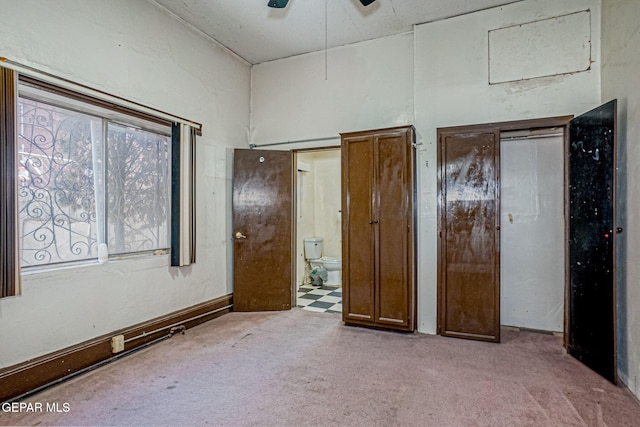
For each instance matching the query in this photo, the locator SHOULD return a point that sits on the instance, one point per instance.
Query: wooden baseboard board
(30, 375)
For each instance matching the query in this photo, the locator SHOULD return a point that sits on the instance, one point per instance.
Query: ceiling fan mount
(279, 4)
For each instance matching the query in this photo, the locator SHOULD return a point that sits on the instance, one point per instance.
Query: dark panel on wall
(592, 239)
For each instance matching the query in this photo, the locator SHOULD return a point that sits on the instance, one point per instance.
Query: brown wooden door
(393, 227)
(358, 255)
(378, 228)
(469, 251)
(262, 230)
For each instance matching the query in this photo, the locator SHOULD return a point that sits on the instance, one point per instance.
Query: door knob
(619, 230)
(239, 235)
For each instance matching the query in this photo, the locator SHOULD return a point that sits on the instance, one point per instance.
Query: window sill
(113, 259)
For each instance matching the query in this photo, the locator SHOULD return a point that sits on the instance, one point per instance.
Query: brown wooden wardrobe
(378, 234)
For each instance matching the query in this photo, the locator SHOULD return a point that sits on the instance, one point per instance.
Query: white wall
(369, 85)
(328, 196)
(532, 233)
(134, 50)
(621, 80)
(451, 88)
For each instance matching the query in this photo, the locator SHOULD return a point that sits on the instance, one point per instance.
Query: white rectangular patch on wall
(549, 47)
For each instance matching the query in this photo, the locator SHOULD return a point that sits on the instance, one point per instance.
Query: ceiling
(259, 33)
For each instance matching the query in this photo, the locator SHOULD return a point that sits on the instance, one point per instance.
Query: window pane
(56, 197)
(137, 189)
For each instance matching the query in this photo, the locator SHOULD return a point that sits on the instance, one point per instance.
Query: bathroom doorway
(318, 277)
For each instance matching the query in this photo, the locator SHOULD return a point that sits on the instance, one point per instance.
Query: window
(137, 189)
(88, 175)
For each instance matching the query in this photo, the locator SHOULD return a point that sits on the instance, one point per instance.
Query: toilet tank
(313, 247)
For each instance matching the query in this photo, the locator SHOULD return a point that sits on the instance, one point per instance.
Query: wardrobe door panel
(358, 239)
(391, 229)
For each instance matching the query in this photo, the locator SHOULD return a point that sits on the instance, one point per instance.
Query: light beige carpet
(300, 368)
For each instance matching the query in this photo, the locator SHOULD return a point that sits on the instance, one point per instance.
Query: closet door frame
(561, 122)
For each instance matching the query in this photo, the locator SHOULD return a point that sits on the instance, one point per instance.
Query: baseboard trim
(39, 372)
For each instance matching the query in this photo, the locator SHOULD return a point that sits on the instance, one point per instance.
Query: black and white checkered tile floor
(324, 299)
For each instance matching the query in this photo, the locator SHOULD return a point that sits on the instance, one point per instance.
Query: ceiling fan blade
(278, 4)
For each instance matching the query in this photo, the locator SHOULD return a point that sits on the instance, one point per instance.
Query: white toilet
(313, 254)
(334, 270)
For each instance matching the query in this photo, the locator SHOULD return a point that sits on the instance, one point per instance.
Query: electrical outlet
(117, 344)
